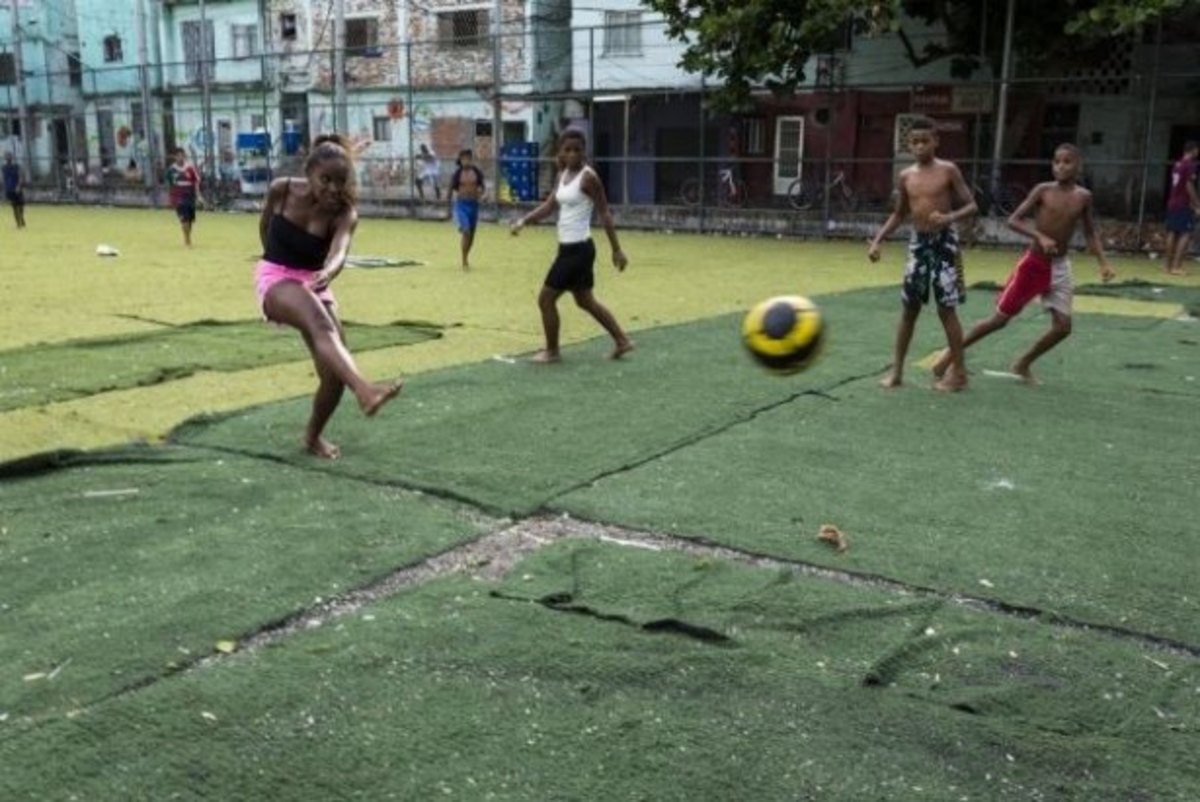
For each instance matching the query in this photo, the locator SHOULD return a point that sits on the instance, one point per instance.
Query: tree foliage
(742, 44)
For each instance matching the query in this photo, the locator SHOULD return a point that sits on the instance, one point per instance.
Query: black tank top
(292, 246)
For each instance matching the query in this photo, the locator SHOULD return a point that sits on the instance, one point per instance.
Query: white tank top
(574, 209)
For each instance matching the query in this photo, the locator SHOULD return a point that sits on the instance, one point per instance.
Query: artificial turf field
(190, 608)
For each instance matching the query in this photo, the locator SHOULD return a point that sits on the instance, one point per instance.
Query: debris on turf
(106, 250)
(834, 537)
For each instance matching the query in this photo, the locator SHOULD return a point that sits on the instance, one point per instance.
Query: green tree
(742, 44)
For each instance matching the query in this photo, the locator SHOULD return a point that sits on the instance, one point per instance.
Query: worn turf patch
(466, 689)
(92, 366)
(1066, 498)
(509, 435)
(1186, 296)
(135, 563)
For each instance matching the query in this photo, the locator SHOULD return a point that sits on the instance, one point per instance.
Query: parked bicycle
(729, 191)
(806, 195)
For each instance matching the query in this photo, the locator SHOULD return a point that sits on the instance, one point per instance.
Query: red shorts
(1028, 280)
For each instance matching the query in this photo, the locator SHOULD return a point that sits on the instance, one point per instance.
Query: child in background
(467, 183)
(578, 192)
(184, 180)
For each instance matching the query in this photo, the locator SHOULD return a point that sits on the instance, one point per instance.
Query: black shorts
(16, 198)
(186, 211)
(572, 269)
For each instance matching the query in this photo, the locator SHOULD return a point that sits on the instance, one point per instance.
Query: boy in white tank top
(578, 193)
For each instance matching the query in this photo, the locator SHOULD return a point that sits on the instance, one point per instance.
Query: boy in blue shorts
(467, 184)
(1183, 204)
(929, 191)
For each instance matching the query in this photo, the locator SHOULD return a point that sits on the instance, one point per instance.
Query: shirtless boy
(929, 191)
(1045, 269)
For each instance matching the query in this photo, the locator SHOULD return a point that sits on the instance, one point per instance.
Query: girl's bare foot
(545, 358)
(378, 395)
(621, 349)
(891, 381)
(952, 382)
(320, 447)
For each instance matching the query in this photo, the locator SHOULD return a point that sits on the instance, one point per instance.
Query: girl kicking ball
(306, 226)
(578, 192)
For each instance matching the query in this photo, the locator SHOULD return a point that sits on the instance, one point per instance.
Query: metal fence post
(1141, 213)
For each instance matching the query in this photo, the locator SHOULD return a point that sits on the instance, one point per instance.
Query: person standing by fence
(14, 188)
(427, 172)
(1183, 204)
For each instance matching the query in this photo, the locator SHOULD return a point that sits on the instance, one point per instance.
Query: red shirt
(1182, 174)
(184, 182)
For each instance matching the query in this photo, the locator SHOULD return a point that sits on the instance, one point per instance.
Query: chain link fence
(821, 162)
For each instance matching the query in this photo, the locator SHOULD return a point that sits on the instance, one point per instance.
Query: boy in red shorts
(1045, 269)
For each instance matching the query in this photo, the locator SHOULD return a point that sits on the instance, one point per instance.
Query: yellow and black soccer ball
(784, 334)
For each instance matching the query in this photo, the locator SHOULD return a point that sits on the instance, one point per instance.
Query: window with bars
(287, 27)
(463, 30)
(112, 49)
(381, 129)
(244, 39)
(197, 50)
(362, 36)
(136, 120)
(622, 33)
(74, 70)
(754, 135)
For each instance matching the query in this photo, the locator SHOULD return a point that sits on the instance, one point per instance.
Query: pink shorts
(268, 274)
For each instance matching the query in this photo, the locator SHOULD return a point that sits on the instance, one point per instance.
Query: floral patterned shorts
(934, 260)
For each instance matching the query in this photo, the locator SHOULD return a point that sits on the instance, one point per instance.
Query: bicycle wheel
(798, 196)
(689, 192)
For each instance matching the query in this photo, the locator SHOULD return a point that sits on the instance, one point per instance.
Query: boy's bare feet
(545, 357)
(891, 381)
(943, 362)
(1023, 373)
(621, 349)
(951, 382)
(378, 395)
(320, 447)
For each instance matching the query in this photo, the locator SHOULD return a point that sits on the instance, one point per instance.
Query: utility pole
(1002, 105)
(19, 68)
(497, 84)
(149, 169)
(206, 57)
(340, 123)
